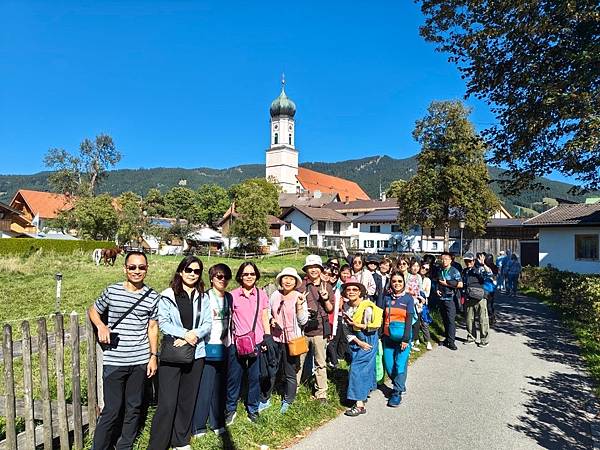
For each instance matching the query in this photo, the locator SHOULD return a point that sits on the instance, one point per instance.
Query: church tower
(282, 156)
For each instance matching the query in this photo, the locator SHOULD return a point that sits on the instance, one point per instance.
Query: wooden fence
(49, 421)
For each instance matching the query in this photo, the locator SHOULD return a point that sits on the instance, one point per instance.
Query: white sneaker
(416, 349)
(219, 431)
(429, 347)
(185, 447)
(417, 342)
(199, 435)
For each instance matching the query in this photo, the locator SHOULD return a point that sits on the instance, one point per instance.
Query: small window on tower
(276, 138)
(290, 139)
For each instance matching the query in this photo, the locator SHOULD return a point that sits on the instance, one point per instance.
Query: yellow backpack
(376, 318)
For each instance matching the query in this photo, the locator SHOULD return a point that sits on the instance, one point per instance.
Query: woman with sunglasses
(362, 342)
(397, 327)
(249, 327)
(210, 402)
(183, 313)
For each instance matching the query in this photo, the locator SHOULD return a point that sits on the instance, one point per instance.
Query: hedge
(575, 294)
(25, 246)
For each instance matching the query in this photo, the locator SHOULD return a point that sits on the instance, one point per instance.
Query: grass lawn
(589, 344)
(28, 292)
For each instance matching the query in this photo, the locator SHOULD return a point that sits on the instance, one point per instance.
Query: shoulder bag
(298, 345)
(179, 355)
(396, 328)
(245, 344)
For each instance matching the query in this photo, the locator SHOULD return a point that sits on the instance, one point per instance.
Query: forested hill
(371, 173)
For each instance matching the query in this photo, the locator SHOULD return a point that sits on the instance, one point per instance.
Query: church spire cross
(282, 81)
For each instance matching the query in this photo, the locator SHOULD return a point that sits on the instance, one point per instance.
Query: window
(313, 240)
(355, 214)
(395, 228)
(290, 138)
(369, 244)
(434, 246)
(375, 229)
(302, 241)
(321, 226)
(355, 225)
(382, 244)
(336, 228)
(288, 226)
(586, 246)
(276, 138)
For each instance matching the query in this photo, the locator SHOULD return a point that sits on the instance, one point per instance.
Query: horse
(109, 255)
(97, 256)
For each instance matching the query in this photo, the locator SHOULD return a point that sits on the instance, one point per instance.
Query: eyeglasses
(220, 276)
(403, 264)
(249, 274)
(190, 270)
(142, 267)
(352, 289)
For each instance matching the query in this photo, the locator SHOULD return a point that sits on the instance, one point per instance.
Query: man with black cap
(473, 277)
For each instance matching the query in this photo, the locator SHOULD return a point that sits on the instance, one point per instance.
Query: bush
(27, 246)
(288, 242)
(574, 294)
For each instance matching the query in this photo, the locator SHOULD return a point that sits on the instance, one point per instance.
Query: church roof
(316, 181)
(282, 105)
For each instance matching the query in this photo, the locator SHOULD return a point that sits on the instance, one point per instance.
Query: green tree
(212, 202)
(254, 200)
(181, 203)
(537, 62)
(452, 180)
(132, 222)
(395, 189)
(80, 175)
(92, 218)
(154, 203)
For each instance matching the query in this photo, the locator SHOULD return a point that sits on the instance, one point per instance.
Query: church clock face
(275, 127)
(291, 128)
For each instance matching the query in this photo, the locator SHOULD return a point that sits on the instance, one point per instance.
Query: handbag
(114, 337)
(396, 329)
(179, 355)
(246, 343)
(296, 346)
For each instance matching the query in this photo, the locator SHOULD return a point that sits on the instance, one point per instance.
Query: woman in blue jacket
(183, 313)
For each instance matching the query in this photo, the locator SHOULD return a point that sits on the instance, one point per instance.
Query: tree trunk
(446, 236)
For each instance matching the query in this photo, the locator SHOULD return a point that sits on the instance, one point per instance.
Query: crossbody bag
(184, 354)
(245, 344)
(298, 345)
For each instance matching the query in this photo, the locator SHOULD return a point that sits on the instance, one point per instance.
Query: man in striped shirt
(130, 356)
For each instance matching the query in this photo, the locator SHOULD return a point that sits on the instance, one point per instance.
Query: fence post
(91, 376)
(76, 382)
(28, 386)
(59, 342)
(44, 382)
(9, 382)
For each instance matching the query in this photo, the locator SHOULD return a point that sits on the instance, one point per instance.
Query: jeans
(479, 309)
(318, 346)
(236, 367)
(210, 403)
(448, 310)
(513, 281)
(395, 362)
(177, 391)
(123, 388)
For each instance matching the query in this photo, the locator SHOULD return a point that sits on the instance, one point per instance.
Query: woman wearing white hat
(288, 313)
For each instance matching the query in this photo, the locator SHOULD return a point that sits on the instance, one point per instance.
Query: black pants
(289, 366)
(338, 346)
(123, 392)
(421, 325)
(491, 307)
(177, 391)
(448, 310)
(210, 403)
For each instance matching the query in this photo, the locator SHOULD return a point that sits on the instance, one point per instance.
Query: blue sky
(189, 83)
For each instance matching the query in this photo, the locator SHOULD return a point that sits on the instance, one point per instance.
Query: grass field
(27, 291)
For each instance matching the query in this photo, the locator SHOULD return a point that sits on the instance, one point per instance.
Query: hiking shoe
(484, 344)
(284, 407)
(355, 411)
(429, 347)
(394, 401)
(416, 343)
(452, 346)
(253, 417)
(262, 406)
(230, 417)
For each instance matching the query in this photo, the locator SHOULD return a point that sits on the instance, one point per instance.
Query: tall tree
(132, 221)
(254, 199)
(92, 217)
(452, 180)
(80, 174)
(537, 62)
(154, 203)
(181, 203)
(212, 202)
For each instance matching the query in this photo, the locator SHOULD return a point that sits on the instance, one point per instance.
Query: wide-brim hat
(352, 281)
(288, 272)
(312, 260)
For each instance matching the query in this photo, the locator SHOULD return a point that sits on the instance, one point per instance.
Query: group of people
(366, 310)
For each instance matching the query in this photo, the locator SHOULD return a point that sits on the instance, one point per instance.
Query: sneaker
(468, 341)
(230, 417)
(219, 431)
(355, 411)
(484, 344)
(262, 406)
(416, 349)
(284, 407)
(429, 347)
(452, 346)
(185, 447)
(199, 434)
(394, 401)
(416, 343)
(253, 417)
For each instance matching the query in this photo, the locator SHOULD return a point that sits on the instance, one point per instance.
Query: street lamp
(461, 225)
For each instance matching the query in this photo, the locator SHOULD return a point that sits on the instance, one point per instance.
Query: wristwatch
(155, 354)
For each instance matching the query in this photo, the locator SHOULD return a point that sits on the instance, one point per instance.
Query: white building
(316, 227)
(569, 237)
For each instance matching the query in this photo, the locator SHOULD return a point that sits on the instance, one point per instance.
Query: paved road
(527, 390)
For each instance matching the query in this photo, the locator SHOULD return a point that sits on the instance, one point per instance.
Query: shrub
(288, 242)
(27, 246)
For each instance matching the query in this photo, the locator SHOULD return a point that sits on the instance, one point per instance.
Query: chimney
(347, 200)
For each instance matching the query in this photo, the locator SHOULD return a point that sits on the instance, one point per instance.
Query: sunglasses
(142, 267)
(398, 281)
(249, 274)
(403, 264)
(352, 289)
(220, 276)
(190, 270)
